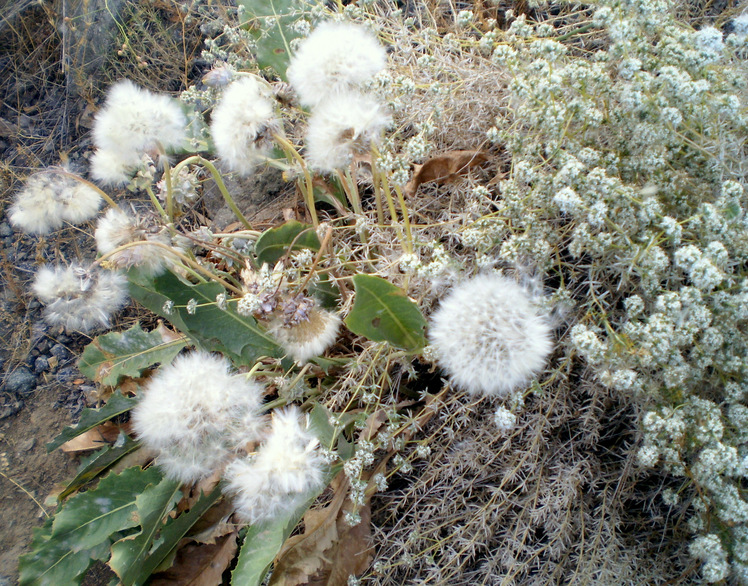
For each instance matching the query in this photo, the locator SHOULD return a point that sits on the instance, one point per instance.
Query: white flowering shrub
(517, 286)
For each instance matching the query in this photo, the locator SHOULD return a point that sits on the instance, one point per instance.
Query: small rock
(63, 339)
(20, 382)
(60, 352)
(41, 364)
(5, 231)
(43, 345)
(34, 304)
(10, 408)
(26, 446)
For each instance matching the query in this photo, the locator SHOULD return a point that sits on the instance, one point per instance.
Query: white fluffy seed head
(242, 125)
(310, 337)
(346, 124)
(117, 228)
(79, 299)
(49, 199)
(113, 167)
(335, 57)
(196, 414)
(489, 336)
(135, 120)
(283, 472)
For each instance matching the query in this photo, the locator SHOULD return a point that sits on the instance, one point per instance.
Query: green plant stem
(292, 153)
(406, 219)
(157, 204)
(377, 190)
(169, 190)
(219, 182)
(393, 211)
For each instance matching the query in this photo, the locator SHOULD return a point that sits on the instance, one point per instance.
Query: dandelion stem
(156, 203)
(190, 265)
(393, 212)
(291, 151)
(219, 182)
(169, 190)
(104, 195)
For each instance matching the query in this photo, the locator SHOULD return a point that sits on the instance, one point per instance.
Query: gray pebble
(60, 352)
(5, 231)
(20, 382)
(41, 364)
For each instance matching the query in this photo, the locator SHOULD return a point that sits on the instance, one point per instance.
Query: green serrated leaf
(99, 462)
(270, 22)
(52, 562)
(82, 529)
(90, 418)
(383, 312)
(173, 532)
(237, 336)
(90, 518)
(274, 243)
(112, 356)
(152, 505)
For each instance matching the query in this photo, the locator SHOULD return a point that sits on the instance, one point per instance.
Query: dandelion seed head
(79, 299)
(309, 337)
(341, 127)
(286, 468)
(135, 120)
(117, 228)
(335, 57)
(49, 199)
(113, 168)
(488, 335)
(196, 413)
(242, 125)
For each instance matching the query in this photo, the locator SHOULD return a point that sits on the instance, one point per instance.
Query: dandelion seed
(307, 337)
(195, 413)
(489, 337)
(118, 228)
(335, 57)
(283, 473)
(113, 168)
(343, 126)
(79, 299)
(49, 199)
(243, 124)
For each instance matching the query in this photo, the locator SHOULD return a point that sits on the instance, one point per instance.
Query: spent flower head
(308, 335)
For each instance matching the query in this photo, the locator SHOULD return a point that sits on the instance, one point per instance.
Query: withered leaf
(93, 439)
(199, 565)
(329, 550)
(444, 168)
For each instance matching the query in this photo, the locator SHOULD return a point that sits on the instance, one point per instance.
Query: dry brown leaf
(168, 335)
(199, 565)
(95, 438)
(329, 551)
(444, 168)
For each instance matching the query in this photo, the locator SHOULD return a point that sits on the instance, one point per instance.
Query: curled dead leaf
(199, 564)
(444, 168)
(329, 551)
